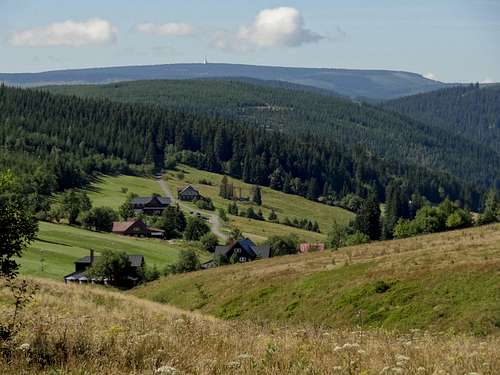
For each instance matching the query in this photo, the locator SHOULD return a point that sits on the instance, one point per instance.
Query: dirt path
(214, 219)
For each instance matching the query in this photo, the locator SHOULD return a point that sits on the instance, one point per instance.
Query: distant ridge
(369, 84)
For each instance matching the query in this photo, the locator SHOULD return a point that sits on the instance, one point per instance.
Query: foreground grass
(53, 254)
(444, 282)
(285, 205)
(87, 330)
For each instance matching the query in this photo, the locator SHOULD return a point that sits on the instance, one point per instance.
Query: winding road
(213, 218)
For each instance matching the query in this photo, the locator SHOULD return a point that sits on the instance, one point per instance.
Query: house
(243, 251)
(154, 205)
(81, 265)
(188, 193)
(310, 247)
(136, 228)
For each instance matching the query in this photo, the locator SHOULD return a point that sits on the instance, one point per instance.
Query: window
(242, 259)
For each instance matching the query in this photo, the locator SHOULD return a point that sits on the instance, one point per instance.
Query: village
(236, 248)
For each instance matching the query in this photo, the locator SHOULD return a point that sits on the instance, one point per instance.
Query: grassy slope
(284, 204)
(61, 245)
(76, 329)
(107, 190)
(441, 281)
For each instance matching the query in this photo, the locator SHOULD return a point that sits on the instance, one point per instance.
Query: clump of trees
(446, 216)
(188, 261)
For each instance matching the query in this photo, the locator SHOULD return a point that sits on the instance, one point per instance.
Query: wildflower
(233, 364)
(402, 358)
(24, 347)
(361, 351)
(169, 370)
(421, 369)
(337, 349)
(337, 368)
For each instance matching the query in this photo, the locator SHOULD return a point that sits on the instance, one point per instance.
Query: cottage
(154, 205)
(81, 265)
(135, 228)
(243, 251)
(311, 247)
(188, 193)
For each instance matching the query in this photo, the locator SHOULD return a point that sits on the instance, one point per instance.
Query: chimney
(91, 256)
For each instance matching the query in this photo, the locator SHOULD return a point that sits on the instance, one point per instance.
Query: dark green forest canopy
(389, 135)
(471, 111)
(76, 137)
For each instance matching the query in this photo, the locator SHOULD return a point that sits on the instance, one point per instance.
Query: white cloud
(430, 75)
(94, 31)
(277, 27)
(166, 29)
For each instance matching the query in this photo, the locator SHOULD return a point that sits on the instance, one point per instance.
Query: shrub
(283, 245)
(209, 241)
(205, 204)
(99, 219)
(115, 267)
(222, 214)
(357, 238)
(188, 261)
(195, 229)
(381, 286)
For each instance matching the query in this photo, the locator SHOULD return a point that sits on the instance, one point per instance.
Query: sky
(446, 40)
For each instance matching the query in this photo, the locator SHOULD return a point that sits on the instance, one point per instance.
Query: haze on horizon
(450, 41)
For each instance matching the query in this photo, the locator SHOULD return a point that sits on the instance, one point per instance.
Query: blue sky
(450, 40)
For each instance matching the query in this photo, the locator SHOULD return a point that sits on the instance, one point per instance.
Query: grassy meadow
(444, 282)
(108, 190)
(73, 329)
(57, 247)
(285, 205)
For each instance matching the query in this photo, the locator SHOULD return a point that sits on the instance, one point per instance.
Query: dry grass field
(88, 330)
(444, 282)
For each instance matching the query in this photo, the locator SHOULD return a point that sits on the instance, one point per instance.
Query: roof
(145, 200)
(123, 226)
(185, 188)
(135, 260)
(263, 251)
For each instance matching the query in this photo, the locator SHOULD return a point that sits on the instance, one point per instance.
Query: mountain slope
(373, 84)
(113, 333)
(388, 134)
(57, 128)
(470, 111)
(444, 281)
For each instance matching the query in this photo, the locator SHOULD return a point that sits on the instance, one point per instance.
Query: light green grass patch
(53, 254)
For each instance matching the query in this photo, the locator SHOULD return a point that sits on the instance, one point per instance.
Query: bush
(205, 204)
(115, 267)
(222, 214)
(99, 218)
(195, 229)
(405, 228)
(283, 245)
(204, 181)
(209, 241)
(150, 273)
(188, 262)
(381, 286)
(357, 238)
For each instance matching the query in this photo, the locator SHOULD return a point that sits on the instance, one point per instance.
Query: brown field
(89, 330)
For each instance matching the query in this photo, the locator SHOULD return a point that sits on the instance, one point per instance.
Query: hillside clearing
(285, 205)
(448, 281)
(111, 191)
(73, 328)
(57, 247)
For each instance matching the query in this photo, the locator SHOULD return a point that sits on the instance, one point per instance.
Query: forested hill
(471, 111)
(63, 139)
(389, 135)
(372, 84)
